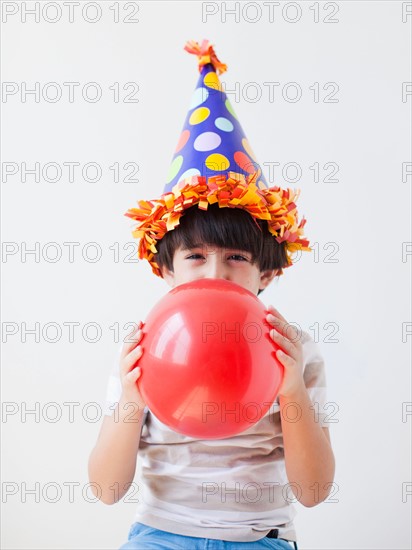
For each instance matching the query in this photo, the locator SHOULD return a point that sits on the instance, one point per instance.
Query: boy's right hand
(130, 372)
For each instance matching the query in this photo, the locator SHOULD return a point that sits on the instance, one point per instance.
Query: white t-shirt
(232, 489)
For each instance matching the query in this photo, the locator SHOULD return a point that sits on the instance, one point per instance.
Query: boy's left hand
(288, 339)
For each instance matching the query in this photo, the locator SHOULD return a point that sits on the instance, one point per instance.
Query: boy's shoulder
(305, 338)
(310, 349)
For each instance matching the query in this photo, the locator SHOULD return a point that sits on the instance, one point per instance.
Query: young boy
(234, 492)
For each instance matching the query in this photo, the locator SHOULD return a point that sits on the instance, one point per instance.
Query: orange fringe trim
(276, 205)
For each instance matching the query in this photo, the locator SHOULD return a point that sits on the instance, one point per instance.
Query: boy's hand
(129, 371)
(288, 339)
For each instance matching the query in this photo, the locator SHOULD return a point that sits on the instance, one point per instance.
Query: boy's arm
(309, 459)
(112, 462)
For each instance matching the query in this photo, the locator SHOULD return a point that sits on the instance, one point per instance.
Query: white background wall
(361, 222)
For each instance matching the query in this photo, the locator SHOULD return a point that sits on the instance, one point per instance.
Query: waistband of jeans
(274, 534)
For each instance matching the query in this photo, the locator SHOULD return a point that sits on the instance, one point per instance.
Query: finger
(132, 340)
(284, 358)
(134, 375)
(128, 347)
(276, 313)
(286, 345)
(291, 332)
(274, 321)
(283, 327)
(130, 360)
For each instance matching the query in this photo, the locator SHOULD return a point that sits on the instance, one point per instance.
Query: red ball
(209, 368)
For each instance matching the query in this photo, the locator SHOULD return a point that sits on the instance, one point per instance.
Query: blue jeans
(142, 537)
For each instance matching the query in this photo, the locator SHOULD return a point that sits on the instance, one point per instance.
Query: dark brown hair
(227, 228)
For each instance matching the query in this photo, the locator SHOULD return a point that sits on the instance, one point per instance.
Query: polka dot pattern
(244, 162)
(189, 173)
(224, 124)
(184, 136)
(200, 115)
(207, 141)
(211, 80)
(174, 168)
(229, 107)
(248, 148)
(212, 140)
(199, 96)
(217, 162)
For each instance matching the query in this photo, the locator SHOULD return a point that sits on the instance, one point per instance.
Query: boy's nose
(215, 268)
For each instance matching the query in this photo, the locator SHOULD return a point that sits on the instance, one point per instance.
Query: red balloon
(209, 368)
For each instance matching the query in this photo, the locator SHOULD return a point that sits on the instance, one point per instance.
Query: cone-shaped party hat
(214, 162)
(212, 141)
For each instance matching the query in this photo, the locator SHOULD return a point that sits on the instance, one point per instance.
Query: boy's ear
(168, 276)
(266, 277)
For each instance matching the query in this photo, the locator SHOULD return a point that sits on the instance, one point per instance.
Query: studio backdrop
(94, 95)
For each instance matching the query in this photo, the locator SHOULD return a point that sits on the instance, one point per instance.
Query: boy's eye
(235, 257)
(238, 257)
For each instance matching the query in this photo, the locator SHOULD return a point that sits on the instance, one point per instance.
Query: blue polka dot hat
(214, 162)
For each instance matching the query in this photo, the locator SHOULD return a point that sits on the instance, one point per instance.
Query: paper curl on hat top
(214, 163)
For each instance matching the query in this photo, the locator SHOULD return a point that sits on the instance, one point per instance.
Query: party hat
(212, 140)
(214, 163)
